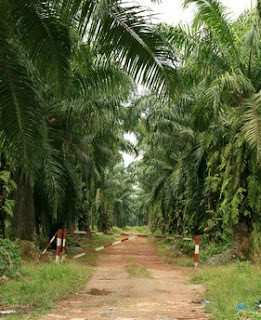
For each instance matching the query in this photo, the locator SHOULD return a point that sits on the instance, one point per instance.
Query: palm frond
(213, 15)
(252, 124)
(45, 37)
(137, 45)
(21, 106)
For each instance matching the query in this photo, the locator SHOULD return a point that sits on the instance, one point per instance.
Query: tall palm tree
(219, 147)
(39, 41)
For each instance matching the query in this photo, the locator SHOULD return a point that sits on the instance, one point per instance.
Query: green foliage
(143, 229)
(116, 230)
(10, 258)
(185, 247)
(229, 286)
(200, 172)
(256, 246)
(66, 80)
(172, 253)
(40, 286)
(213, 249)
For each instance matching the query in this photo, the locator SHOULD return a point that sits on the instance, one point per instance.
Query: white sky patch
(172, 12)
(128, 158)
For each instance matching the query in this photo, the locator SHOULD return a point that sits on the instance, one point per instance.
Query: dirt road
(113, 294)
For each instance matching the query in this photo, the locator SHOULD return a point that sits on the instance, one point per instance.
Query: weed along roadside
(33, 289)
(232, 288)
(130, 159)
(40, 286)
(132, 282)
(229, 286)
(30, 288)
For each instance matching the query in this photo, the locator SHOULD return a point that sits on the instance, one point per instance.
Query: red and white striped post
(64, 244)
(64, 241)
(59, 238)
(196, 256)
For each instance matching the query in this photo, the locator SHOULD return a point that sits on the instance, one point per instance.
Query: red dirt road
(113, 294)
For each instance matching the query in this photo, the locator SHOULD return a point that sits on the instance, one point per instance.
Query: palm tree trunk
(2, 223)
(84, 220)
(241, 244)
(2, 199)
(24, 215)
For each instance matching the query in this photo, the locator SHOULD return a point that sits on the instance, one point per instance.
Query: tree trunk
(241, 245)
(2, 198)
(2, 223)
(24, 215)
(84, 220)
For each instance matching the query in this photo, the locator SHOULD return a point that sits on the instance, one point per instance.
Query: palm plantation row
(202, 148)
(67, 69)
(68, 94)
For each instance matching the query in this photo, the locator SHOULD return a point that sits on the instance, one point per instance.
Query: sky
(172, 12)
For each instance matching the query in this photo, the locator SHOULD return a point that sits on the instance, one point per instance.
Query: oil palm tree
(39, 40)
(219, 67)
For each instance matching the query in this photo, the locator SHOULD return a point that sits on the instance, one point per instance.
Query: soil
(113, 294)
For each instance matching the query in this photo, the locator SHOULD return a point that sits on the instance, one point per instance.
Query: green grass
(169, 255)
(136, 271)
(90, 244)
(138, 229)
(97, 241)
(116, 229)
(42, 285)
(227, 286)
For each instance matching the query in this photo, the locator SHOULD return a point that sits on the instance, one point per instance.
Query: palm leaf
(212, 14)
(45, 37)
(20, 105)
(252, 123)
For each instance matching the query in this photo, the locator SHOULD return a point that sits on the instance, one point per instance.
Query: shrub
(185, 247)
(143, 229)
(116, 229)
(28, 250)
(228, 286)
(10, 258)
(44, 284)
(213, 249)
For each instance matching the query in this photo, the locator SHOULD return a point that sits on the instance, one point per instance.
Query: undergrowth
(137, 229)
(227, 286)
(90, 243)
(41, 285)
(172, 255)
(10, 258)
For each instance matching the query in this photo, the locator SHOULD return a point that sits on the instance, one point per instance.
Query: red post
(196, 256)
(64, 241)
(59, 245)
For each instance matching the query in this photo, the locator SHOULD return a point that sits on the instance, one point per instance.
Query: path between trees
(113, 294)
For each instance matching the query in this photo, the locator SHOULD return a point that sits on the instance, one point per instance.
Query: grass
(136, 271)
(89, 244)
(41, 285)
(170, 255)
(228, 286)
(97, 241)
(134, 230)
